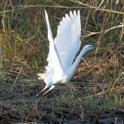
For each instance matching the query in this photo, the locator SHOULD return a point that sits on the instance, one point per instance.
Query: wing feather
(67, 42)
(53, 69)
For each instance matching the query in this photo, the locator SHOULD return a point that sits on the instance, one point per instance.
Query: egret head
(88, 47)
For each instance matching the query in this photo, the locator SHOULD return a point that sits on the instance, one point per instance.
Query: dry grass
(98, 83)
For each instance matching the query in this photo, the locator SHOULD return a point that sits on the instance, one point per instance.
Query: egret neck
(76, 63)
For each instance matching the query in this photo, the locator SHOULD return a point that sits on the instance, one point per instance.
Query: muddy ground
(16, 93)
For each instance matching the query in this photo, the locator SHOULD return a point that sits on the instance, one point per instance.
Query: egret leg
(52, 87)
(39, 93)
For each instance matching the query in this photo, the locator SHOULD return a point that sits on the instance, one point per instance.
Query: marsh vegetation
(96, 92)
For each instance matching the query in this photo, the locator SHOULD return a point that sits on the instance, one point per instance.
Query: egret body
(63, 50)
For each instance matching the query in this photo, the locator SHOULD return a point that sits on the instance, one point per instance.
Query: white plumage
(63, 50)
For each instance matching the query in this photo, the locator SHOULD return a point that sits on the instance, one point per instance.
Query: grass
(97, 84)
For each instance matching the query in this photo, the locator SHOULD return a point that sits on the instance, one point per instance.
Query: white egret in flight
(62, 60)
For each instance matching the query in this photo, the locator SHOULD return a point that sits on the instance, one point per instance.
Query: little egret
(62, 60)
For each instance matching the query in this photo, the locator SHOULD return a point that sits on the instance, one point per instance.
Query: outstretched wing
(67, 42)
(54, 67)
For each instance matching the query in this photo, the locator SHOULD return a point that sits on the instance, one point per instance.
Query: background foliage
(99, 80)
